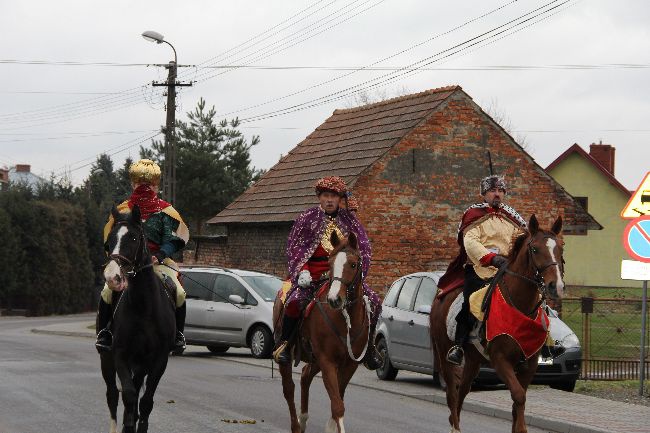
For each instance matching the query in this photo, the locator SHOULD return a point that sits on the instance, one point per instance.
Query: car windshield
(266, 287)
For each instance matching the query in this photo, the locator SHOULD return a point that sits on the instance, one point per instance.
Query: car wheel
(261, 342)
(218, 349)
(567, 386)
(386, 371)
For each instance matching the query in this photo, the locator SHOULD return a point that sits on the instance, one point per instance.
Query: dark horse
(534, 270)
(143, 323)
(333, 337)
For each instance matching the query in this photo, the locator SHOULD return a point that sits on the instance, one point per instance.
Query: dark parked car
(230, 308)
(403, 337)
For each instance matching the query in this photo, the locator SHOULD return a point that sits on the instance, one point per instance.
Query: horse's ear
(533, 225)
(557, 225)
(115, 213)
(135, 214)
(334, 239)
(352, 241)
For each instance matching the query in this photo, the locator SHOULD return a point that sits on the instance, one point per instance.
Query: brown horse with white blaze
(534, 271)
(333, 338)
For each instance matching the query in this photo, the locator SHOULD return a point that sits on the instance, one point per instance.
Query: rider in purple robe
(308, 249)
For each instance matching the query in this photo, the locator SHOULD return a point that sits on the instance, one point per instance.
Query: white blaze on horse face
(551, 244)
(337, 272)
(112, 269)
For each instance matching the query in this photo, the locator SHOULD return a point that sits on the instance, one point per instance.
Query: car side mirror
(236, 299)
(423, 309)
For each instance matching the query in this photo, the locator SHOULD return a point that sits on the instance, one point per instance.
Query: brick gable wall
(411, 199)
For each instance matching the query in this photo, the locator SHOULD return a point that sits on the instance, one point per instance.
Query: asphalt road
(52, 384)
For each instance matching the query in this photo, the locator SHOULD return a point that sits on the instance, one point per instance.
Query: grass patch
(615, 327)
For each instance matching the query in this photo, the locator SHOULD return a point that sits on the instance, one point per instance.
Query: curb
(552, 424)
(63, 333)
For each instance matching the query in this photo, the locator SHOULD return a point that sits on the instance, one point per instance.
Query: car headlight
(570, 340)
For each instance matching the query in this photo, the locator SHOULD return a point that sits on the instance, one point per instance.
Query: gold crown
(145, 171)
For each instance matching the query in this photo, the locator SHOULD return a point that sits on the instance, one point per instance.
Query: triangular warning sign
(639, 204)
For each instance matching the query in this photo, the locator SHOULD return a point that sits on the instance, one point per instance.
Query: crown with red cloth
(333, 184)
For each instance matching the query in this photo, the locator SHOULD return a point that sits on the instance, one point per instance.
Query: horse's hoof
(453, 430)
(302, 419)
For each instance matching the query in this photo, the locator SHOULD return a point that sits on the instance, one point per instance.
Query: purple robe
(305, 236)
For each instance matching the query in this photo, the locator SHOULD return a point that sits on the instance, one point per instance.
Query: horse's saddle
(477, 334)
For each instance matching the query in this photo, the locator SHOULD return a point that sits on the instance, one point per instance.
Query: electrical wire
(385, 78)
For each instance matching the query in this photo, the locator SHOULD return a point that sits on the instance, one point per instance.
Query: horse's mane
(518, 242)
(343, 244)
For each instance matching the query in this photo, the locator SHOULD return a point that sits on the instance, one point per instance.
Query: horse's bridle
(125, 263)
(349, 285)
(538, 279)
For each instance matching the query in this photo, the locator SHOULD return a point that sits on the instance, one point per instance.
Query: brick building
(414, 164)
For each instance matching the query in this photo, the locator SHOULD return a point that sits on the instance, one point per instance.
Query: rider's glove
(304, 278)
(498, 261)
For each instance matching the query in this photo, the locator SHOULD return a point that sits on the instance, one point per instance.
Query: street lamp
(169, 179)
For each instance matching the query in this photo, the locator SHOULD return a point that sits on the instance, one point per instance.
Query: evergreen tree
(214, 165)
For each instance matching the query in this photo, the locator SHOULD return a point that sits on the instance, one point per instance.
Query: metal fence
(609, 329)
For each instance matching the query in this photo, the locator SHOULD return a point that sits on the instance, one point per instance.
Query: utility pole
(169, 167)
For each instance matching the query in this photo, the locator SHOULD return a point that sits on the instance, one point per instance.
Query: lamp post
(169, 167)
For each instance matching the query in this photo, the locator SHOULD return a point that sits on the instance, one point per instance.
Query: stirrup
(455, 349)
(179, 340)
(278, 352)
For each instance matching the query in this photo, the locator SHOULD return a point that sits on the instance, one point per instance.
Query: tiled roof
(580, 151)
(345, 145)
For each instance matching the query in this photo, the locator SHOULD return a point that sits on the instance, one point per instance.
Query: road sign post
(636, 240)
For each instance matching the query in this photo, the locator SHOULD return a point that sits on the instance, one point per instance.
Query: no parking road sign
(636, 239)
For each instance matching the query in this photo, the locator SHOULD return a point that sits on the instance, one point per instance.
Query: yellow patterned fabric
(182, 232)
(475, 302)
(327, 233)
(284, 290)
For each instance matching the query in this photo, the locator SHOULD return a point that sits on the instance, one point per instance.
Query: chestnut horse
(333, 338)
(534, 271)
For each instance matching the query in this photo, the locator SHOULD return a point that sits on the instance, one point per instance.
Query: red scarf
(147, 201)
(504, 319)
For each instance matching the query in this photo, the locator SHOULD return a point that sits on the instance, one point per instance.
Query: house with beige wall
(593, 258)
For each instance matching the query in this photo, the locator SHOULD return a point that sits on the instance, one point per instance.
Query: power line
(296, 41)
(66, 137)
(409, 69)
(77, 110)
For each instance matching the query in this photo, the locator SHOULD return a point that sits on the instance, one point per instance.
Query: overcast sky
(58, 118)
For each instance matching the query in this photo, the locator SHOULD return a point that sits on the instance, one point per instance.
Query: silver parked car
(403, 337)
(230, 308)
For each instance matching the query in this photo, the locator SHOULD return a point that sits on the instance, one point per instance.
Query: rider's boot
(282, 354)
(179, 341)
(104, 341)
(373, 359)
(456, 353)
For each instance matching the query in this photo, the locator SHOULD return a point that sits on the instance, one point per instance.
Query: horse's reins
(349, 286)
